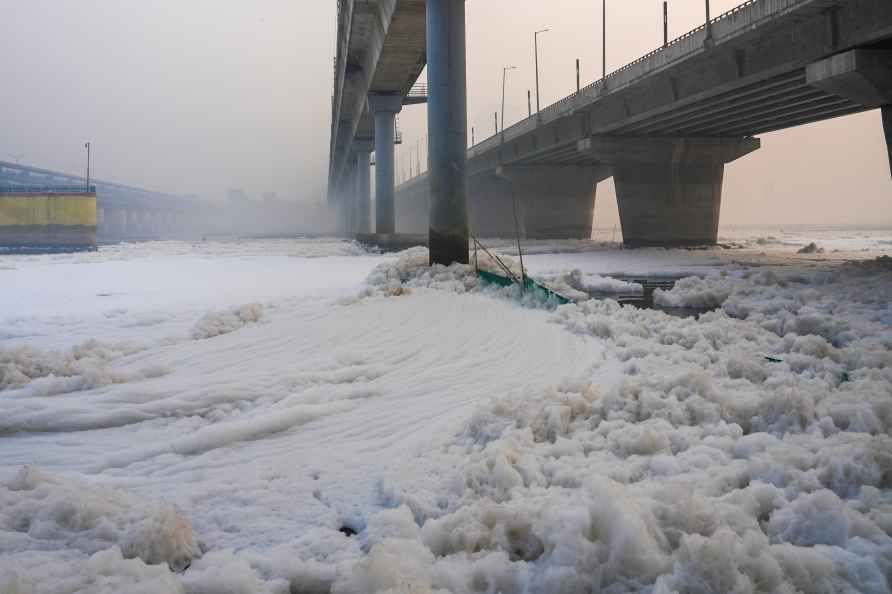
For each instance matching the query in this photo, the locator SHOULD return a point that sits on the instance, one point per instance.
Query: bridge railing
(673, 51)
(418, 90)
(44, 189)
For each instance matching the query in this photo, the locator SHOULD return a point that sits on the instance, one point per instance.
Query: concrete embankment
(48, 220)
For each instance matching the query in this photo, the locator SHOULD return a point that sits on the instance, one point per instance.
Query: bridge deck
(743, 75)
(751, 80)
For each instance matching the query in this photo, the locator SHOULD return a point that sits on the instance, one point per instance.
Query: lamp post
(87, 146)
(504, 77)
(708, 23)
(603, 39)
(536, 46)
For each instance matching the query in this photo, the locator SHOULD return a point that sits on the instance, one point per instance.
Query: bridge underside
(665, 126)
(669, 192)
(652, 131)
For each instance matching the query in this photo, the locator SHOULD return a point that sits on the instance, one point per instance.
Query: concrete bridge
(122, 211)
(663, 126)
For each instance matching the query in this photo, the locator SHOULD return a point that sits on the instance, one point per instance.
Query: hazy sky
(204, 95)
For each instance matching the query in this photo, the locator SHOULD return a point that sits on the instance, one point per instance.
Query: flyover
(122, 211)
(381, 52)
(663, 126)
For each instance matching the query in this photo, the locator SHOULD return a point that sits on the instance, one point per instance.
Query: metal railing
(45, 189)
(693, 32)
(418, 90)
(594, 89)
(397, 133)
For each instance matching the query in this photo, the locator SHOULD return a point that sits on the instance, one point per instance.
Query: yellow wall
(48, 209)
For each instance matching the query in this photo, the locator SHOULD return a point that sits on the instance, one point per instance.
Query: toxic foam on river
(473, 444)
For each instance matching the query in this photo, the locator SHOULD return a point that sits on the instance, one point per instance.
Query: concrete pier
(553, 201)
(447, 117)
(350, 195)
(385, 108)
(669, 190)
(363, 193)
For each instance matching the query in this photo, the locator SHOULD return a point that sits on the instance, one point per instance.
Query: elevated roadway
(663, 126)
(122, 212)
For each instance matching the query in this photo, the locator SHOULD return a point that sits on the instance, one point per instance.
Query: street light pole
(505, 76)
(87, 146)
(709, 41)
(604, 39)
(536, 45)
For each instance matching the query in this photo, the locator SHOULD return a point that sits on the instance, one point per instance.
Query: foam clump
(82, 367)
(45, 510)
(412, 271)
(223, 322)
(749, 451)
(695, 292)
(105, 572)
(577, 286)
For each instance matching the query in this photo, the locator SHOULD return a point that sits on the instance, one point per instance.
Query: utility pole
(536, 46)
(577, 75)
(708, 25)
(504, 77)
(496, 118)
(529, 103)
(87, 146)
(473, 137)
(665, 23)
(604, 39)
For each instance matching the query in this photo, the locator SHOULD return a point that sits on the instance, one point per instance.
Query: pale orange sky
(205, 95)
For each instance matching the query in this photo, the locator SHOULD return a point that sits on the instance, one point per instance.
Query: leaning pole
(447, 117)
(887, 128)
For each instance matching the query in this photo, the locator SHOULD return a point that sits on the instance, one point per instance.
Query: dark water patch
(645, 300)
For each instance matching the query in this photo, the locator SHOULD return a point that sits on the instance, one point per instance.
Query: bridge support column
(151, 224)
(887, 128)
(447, 117)
(669, 190)
(348, 200)
(385, 108)
(553, 201)
(363, 193)
(119, 225)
